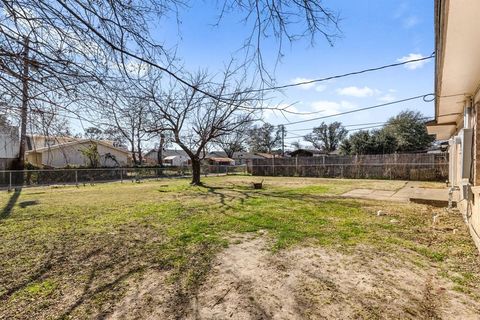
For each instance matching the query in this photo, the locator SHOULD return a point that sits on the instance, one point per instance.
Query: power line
(296, 136)
(379, 125)
(423, 96)
(341, 75)
(354, 125)
(345, 126)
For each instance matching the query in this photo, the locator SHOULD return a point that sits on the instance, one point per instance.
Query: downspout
(467, 114)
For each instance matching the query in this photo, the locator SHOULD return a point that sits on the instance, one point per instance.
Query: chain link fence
(12, 179)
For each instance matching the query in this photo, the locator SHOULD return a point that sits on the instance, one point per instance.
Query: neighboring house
(176, 161)
(70, 154)
(151, 157)
(182, 158)
(9, 146)
(307, 153)
(240, 158)
(37, 141)
(223, 161)
(457, 103)
(264, 155)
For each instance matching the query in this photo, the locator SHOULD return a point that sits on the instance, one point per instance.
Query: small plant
(92, 155)
(109, 156)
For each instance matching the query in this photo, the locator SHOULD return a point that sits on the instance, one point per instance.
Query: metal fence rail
(13, 178)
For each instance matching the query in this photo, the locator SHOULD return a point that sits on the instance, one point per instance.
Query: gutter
(440, 27)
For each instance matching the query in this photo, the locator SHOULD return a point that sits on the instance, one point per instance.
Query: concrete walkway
(410, 192)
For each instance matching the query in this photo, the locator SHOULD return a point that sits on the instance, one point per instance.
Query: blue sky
(374, 33)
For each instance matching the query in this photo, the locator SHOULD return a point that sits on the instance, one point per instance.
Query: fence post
(296, 165)
(121, 175)
(10, 180)
(273, 165)
(76, 178)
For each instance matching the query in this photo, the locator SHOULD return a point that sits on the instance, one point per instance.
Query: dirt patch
(147, 298)
(249, 282)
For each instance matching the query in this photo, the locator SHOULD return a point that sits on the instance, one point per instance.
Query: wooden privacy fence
(417, 166)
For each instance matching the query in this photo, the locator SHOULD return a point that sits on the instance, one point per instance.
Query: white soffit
(442, 132)
(460, 63)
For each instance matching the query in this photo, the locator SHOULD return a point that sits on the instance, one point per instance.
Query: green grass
(41, 289)
(88, 242)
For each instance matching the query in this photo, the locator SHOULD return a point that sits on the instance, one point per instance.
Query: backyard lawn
(293, 250)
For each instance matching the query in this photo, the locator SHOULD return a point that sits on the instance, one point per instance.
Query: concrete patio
(410, 192)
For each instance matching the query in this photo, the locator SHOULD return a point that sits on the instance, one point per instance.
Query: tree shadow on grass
(37, 275)
(243, 194)
(7, 209)
(89, 292)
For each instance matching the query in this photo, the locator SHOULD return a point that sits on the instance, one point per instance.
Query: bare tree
(297, 145)
(283, 20)
(93, 133)
(130, 117)
(64, 52)
(160, 149)
(195, 119)
(165, 139)
(264, 138)
(327, 137)
(234, 141)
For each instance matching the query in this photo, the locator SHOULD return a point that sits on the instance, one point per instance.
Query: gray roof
(166, 153)
(236, 155)
(312, 151)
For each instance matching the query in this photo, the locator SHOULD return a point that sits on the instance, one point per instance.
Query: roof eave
(440, 27)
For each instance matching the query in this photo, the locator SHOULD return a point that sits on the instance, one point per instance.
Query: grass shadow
(7, 210)
(25, 204)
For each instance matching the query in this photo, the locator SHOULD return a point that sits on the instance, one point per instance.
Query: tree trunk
(160, 150)
(195, 172)
(229, 153)
(24, 110)
(139, 149)
(134, 156)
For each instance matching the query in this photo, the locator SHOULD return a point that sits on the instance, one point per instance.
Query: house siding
(473, 215)
(71, 155)
(9, 143)
(469, 196)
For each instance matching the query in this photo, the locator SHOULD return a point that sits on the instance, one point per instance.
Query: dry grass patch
(118, 250)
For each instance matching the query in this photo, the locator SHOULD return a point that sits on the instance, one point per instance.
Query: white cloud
(387, 98)
(413, 65)
(357, 92)
(306, 86)
(331, 107)
(320, 88)
(401, 10)
(410, 22)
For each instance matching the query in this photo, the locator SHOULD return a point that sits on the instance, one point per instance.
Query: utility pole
(24, 109)
(283, 140)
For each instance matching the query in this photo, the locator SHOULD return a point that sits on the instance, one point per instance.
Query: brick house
(457, 103)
